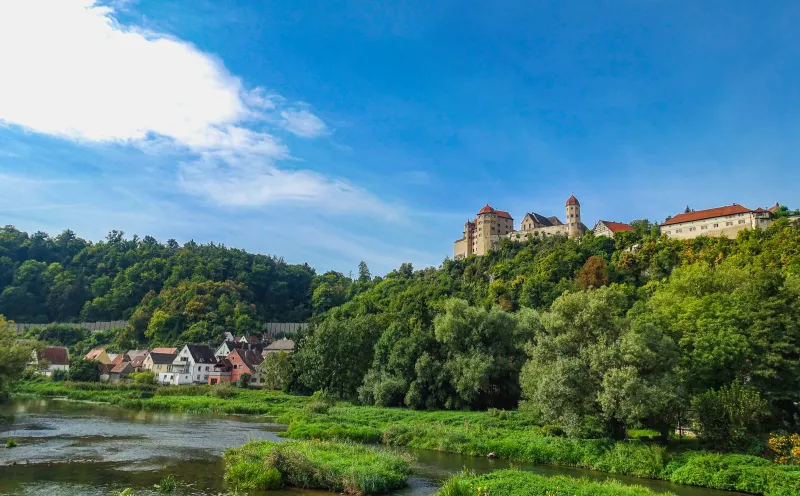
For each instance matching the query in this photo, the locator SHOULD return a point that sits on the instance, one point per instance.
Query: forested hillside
(589, 332)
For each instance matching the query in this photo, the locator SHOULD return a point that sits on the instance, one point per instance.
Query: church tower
(573, 217)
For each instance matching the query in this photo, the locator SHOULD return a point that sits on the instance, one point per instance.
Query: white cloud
(241, 182)
(71, 70)
(303, 123)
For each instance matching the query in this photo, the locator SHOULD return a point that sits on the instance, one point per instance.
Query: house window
(692, 228)
(729, 223)
(716, 225)
(198, 368)
(198, 377)
(703, 228)
(741, 222)
(678, 230)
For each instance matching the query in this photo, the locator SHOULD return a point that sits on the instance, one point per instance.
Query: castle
(491, 225)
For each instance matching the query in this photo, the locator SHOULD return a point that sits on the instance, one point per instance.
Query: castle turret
(574, 217)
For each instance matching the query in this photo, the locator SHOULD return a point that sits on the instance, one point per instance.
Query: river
(71, 449)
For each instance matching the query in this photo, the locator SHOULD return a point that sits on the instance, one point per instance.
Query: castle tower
(573, 217)
(483, 224)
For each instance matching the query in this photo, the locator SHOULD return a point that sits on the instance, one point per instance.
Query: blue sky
(334, 132)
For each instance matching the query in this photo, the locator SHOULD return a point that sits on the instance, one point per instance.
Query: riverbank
(510, 435)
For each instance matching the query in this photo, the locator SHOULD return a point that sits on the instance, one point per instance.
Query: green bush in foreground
(516, 483)
(338, 467)
(11, 444)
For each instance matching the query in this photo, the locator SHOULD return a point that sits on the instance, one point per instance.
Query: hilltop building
(490, 226)
(610, 228)
(716, 222)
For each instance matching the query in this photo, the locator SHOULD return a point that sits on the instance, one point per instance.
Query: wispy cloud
(76, 73)
(303, 123)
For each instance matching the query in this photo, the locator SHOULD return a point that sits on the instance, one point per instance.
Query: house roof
(201, 353)
(281, 345)
(249, 357)
(162, 358)
(138, 361)
(616, 227)
(115, 359)
(120, 367)
(232, 345)
(709, 213)
(555, 221)
(224, 365)
(56, 355)
(135, 353)
(93, 354)
(540, 219)
(489, 210)
(572, 201)
(774, 207)
(164, 350)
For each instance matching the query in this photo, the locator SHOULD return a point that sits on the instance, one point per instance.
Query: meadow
(511, 435)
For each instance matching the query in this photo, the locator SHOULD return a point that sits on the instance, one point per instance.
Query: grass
(512, 435)
(11, 444)
(339, 467)
(516, 483)
(167, 485)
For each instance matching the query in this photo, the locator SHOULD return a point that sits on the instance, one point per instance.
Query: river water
(81, 449)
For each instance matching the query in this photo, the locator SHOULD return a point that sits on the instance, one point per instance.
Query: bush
(339, 467)
(59, 375)
(143, 378)
(317, 407)
(167, 485)
(84, 371)
(742, 473)
(11, 443)
(224, 390)
(244, 381)
(729, 418)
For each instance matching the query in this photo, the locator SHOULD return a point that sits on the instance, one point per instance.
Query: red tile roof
(707, 214)
(119, 359)
(616, 227)
(92, 355)
(774, 207)
(489, 210)
(120, 367)
(56, 355)
(167, 351)
(572, 201)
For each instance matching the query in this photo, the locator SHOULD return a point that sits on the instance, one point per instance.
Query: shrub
(317, 407)
(252, 476)
(785, 449)
(224, 390)
(84, 371)
(11, 444)
(339, 467)
(730, 417)
(553, 431)
(143, 378)
(244, 381)
(59, 375)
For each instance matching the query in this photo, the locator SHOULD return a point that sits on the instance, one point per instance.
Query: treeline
(595, 334)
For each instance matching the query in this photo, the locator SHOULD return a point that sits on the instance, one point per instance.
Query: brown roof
(56, 355)
(281, 344)
(120, 367)
(119, 359)
(572, 201)
(774, 207)
(489, 210)
(162, 358)
(93, 354)
(138, 361)
(166, 351)
(250, 358)
(707, 214)
(616, 227)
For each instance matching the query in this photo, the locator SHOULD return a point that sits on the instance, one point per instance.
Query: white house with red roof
(610, 228)
(716, 222)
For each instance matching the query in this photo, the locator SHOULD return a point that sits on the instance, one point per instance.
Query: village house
(191, 366)
(246, 362)
(283, 344)
(610, 228)
(53, 358)
(221, 372)
(168, 351)
(119, 371)
(226, 347)
(137, 364)
(158, 362)
(98, 355)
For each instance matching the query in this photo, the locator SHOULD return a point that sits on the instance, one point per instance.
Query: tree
(14, 356)
(594, 273)
(363, 272)
(730, 417)
(84, 371)
(244, 380)
(278, 369)
(591, 361)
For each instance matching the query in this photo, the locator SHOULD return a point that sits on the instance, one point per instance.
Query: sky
(335, 132)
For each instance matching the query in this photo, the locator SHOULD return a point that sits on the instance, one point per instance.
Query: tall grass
(515, 483)
(340, 467)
